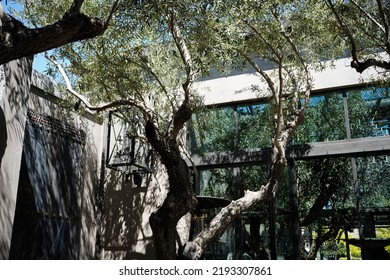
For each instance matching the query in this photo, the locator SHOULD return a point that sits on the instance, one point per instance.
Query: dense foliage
(153, 51)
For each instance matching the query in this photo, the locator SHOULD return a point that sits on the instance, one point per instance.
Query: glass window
(324, 184)
(252, 177)
(369, 112)
(244, 127)
(212, 130)
(223, 129)
(374, 184)
(324, 120)
(254, 130)
(217, 182)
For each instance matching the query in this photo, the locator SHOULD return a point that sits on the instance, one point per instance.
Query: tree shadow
(47, 215)
(3, 135)
(127, 233)
(15, 85)
(55, 209)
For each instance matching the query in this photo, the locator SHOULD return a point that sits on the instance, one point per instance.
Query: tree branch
(298, 109)
(384, 20)
(347, 32)
(279, 103)
(370, 17)
(3, 15)
(185, 56)
(184, 112)
(258, 69)
(218, 225)
(113, 10)
(270, 46)
(194, 248)
(75, 7)
(361, 66)
(103, 106)
(321, 238)
(17, 40)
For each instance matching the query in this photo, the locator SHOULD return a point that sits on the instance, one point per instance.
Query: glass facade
(373, 181)
(346, 198)
(249, 117)
(218, 182)
(212, 130)
(369, 112)
(230, 128)
(355, 113)
(324, 120)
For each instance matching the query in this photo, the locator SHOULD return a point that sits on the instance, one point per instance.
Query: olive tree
(278, 34)
(149, 61)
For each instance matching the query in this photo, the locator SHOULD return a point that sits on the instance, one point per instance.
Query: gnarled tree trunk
(194, 249)
(180, 198)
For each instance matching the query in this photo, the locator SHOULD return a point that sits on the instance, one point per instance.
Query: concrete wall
(127, 233)
(88, 172)
(114, 220)
(13, 106)
(20, 91)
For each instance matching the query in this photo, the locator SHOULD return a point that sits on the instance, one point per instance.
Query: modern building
(75, 186)
(338, 164)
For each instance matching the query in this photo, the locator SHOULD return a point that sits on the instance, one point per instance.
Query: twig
(370, 17)
(113, 10)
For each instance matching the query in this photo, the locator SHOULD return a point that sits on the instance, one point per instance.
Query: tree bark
(325, 194)
(180, 198)
(17, 40)
(361, 66)
(194, 249)
(321, 238)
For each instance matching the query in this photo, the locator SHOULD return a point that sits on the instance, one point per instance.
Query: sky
(40, 62)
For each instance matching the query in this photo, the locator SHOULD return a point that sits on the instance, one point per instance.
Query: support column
(272, 227)
(238, 225)
(295, 228)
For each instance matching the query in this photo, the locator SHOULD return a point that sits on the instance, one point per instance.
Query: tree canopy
(154, 51)
(364, 26)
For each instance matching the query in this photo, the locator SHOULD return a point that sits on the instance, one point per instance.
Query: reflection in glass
(324, 120)
(369, 112)
(254, 130)
(212, 130)
(216, 182)
(374, 183)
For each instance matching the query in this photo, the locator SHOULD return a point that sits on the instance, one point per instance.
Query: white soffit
(249, 86)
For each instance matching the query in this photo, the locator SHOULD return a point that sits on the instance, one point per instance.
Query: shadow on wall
(3, 146)
(88, 199)
(54, 194)
(46, 216)
(3, 135)
(13, 103)
(54, 217)
(127, 234)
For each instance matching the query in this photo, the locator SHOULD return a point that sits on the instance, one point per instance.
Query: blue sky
(40, 62)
